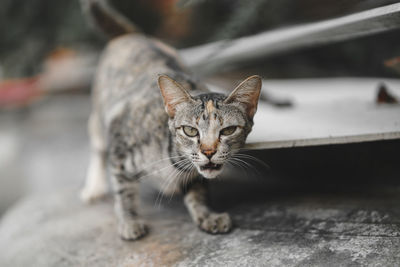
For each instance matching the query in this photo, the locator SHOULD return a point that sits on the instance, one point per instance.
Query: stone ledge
(57, 230)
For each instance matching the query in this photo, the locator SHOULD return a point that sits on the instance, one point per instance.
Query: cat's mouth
(211, 167)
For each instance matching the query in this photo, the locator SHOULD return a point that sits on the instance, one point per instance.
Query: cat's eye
(228, 130)
(190, 131)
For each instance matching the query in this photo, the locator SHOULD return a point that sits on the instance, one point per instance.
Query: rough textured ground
(349, 229)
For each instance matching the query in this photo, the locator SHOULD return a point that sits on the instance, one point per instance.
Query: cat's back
(128, 70)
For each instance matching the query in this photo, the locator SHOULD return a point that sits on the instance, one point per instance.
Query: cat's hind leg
(96, 186)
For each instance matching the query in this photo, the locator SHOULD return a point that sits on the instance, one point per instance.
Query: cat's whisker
(233, 162)
(244, 165)
(160, 191)
(164, 186)
(176, 172)
(179, 161)
(169, 166)
(170, 174)
(189, 173)
(161, 160)
(248, 157)
(237, 165)
(238, 152)
(186, 177)
(254, 159)
(242, 149)
(249, 166)
(182, 171)
(176, 177)
(244, 162)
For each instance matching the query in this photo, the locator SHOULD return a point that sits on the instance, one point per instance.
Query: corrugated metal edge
(332, 140)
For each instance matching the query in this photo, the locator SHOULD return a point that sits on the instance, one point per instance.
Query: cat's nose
(209, 152)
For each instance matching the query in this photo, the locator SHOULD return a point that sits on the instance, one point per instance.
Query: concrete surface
(278, 230)
(43, 147)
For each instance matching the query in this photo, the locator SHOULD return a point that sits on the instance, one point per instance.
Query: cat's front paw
(132, 229)
(215, 223)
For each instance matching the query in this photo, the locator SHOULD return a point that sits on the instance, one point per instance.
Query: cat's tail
(107, 19)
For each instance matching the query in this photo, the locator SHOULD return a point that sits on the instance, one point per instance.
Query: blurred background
(48, 54)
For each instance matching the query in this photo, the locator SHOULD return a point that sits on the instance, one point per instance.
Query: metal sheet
(326, 111)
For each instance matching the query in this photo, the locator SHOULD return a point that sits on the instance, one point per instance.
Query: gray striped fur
(137, 132)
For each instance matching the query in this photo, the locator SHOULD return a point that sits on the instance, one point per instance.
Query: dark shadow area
(362, 169)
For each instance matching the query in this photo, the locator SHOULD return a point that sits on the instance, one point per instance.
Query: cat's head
(210, 128)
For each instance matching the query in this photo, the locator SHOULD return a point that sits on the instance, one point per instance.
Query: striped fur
(138, 132)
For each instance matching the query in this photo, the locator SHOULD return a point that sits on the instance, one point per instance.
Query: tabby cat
(152, 120)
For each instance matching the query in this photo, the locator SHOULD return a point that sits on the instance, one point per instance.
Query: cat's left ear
(247, 94)
(173, 94)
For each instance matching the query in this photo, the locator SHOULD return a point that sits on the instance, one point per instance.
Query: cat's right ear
(173, 94)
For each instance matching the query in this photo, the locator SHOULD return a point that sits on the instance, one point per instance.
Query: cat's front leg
(126, 196)
(206, 220)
